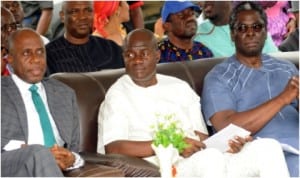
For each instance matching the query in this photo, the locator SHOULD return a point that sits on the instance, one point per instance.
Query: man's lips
(251, 44)
(138, 68)
(36, 71)
(191, 24)
(83, 25)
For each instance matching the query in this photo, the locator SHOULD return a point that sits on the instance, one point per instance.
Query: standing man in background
(15, 7)
(37, 15)
(8, 26)
(136, 16)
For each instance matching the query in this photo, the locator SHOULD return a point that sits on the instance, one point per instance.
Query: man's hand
(194, 146)
(237, 143)
(291, 90)
(291, 27)
(63, 157)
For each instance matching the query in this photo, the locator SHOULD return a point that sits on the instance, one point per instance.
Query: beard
(189, 30)
(78, 33)
(250, 52)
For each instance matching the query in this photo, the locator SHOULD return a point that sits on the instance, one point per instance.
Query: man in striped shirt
(77, 50)
(254, 90)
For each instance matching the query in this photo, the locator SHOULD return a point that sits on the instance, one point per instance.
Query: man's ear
(62, 16)
(266, 36)
(232, 36)
(167, 26)
(157, 55)
(9, 59)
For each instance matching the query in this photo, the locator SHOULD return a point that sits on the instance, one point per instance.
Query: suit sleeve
(74, 146)
(11, 128)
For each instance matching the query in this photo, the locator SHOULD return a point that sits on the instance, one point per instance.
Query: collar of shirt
(24, 86)
(35, 133)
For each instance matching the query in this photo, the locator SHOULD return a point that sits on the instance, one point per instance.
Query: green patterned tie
(49, 139)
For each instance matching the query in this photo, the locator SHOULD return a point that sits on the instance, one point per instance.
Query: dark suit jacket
(62, 105)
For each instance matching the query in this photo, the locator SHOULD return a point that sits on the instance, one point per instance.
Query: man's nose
(250, 31)
(35, 58)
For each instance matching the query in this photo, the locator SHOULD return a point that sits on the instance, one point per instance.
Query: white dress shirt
(35, 132)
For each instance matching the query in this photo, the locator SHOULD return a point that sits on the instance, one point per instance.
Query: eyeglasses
(243, 28)
(9, 27)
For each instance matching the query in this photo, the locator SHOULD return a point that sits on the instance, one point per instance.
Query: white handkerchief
(13, 144)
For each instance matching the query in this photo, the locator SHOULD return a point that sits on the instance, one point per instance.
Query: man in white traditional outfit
(133, 102)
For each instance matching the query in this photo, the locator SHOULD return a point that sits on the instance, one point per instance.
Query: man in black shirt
(77, 50)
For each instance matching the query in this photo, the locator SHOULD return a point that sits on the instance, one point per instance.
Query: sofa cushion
(94, 170)
(89, 96)
(131, 166)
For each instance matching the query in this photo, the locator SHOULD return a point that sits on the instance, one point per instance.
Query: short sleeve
(112, 125)
(216, 96)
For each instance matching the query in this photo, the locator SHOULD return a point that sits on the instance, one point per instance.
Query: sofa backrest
(91, 87)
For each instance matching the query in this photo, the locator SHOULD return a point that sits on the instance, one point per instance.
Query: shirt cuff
(79, 162)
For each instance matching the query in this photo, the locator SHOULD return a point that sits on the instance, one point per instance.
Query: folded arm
(256, 118)
(131, 148)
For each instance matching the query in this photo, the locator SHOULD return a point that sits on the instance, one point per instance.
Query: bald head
(141, 56)
(140, 36)
(65, 4)
(19, 35)
(27, 55)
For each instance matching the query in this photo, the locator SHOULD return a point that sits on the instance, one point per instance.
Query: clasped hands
(235, 145)
(64, 158)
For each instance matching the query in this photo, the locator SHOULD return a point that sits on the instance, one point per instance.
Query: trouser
(292, 163)
(29, 161)
(260, 158)
(208, 163)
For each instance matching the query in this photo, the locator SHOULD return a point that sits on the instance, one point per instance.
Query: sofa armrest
(131, 166)
(94, 170)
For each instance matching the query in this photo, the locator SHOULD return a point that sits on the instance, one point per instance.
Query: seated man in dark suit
(77, 50)
(37, 139)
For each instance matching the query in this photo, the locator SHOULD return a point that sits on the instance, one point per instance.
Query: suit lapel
(15, 96)
(56, 108)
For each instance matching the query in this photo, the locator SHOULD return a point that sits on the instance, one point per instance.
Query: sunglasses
(243, 28)
(9, 27)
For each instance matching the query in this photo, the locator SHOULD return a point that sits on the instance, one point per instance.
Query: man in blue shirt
(254, 90)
